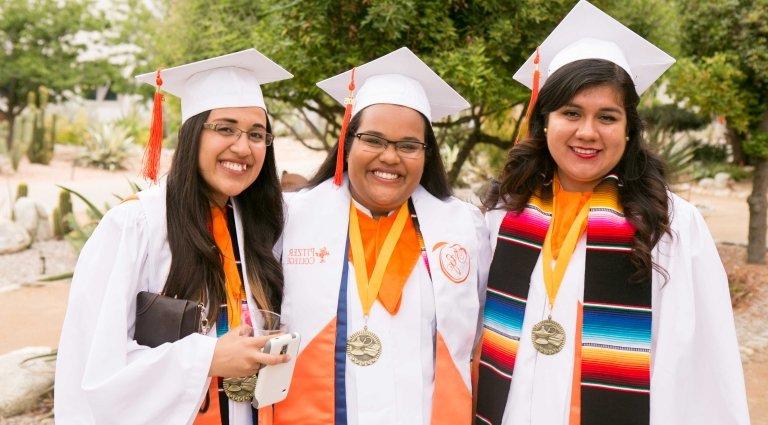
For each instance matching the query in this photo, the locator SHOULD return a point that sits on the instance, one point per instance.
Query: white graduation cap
(589, 33)
(227, 81)
(398, 78)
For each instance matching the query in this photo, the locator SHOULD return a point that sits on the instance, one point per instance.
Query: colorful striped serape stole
(616, 328)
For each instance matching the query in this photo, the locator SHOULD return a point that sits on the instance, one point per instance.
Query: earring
(545, 130)
(627, 138)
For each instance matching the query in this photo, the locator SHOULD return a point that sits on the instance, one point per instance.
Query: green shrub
(703, 170)
(108, 145)
(710, 153)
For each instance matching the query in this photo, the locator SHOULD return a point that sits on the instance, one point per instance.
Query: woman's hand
(238, 354)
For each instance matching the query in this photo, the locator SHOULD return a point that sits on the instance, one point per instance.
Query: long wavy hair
(643, 192)
(197, 270)
(434, 178)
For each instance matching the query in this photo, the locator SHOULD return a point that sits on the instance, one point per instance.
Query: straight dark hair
(530, 166)
(434, 179)
(197, 271)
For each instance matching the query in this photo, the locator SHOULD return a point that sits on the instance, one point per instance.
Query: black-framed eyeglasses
(404, 148)
(230, 132)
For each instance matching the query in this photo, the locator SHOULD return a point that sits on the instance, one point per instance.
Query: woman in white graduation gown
(206, 234)
(607, 302)
(383, 272)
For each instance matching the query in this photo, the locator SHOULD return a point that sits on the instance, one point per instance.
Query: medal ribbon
(369, 289)
(553, 278)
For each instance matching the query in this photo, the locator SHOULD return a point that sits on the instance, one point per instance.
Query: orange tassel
(155, 142)
(348, 101)
(524, 126)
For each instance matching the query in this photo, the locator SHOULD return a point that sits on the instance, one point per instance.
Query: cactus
(58, 224)
(22, 191)
(40, 150)
(61, 213)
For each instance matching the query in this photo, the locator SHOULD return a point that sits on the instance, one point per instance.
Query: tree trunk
(734, 139)
(9, 137)
(758, 214)
(461, 157)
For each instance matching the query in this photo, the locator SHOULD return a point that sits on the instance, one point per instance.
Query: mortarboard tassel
(155, 142)
(523, 131)
(348, 101)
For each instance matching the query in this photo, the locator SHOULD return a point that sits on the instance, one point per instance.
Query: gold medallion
(364, 347)
(240, 389)
(548, 337)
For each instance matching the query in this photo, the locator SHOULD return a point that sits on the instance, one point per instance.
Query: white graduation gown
(398, 388)
(696, 373)
(102, 375)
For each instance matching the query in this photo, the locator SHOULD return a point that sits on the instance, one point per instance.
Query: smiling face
(229, 164)
(587, 137)
(383, 181)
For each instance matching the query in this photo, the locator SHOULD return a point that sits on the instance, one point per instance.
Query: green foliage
(710, 169)
(41, 48)
(136, 125)
(73, 129)
(678, 158)
(672, 118)
(717, 86)
(756, 145)
(475, 46)
(710, 153)
(22, 191)
(726, 43)
(107, 146)
(78, 233)
(667, 132)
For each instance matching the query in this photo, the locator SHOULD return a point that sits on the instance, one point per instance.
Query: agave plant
(107, 146)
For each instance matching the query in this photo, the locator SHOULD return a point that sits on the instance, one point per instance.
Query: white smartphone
(274, 380)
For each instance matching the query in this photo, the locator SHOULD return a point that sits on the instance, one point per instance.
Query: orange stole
(451, 400)
(311, 396)
(234, 291)
(212, 415)
(566, 208)
(234, 286)
(404, 258)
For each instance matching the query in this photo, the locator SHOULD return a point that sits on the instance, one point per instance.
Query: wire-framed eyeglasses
(230, 132)
(404, 148)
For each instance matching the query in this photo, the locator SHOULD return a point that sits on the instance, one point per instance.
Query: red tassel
(348, 101)
(155, 142)
(524, 126)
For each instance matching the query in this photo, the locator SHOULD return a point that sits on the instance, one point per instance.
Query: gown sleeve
(696, 374)
(102, 374)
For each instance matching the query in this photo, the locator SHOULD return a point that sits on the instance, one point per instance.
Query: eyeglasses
(404, 148)
(233, 133)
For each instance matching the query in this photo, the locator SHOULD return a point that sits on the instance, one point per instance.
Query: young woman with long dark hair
(383, 268)
(206, 235)
(607, 302)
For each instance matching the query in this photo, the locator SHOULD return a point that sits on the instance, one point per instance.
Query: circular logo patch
(454, 261)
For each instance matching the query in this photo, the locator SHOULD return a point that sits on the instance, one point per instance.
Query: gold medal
(548, 337)
(363, 347)
(240, 389)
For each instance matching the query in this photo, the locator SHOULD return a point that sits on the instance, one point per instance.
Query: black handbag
(161, 319)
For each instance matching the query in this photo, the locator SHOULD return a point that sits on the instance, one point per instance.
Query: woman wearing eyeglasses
(205, 235)
(382, 267)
